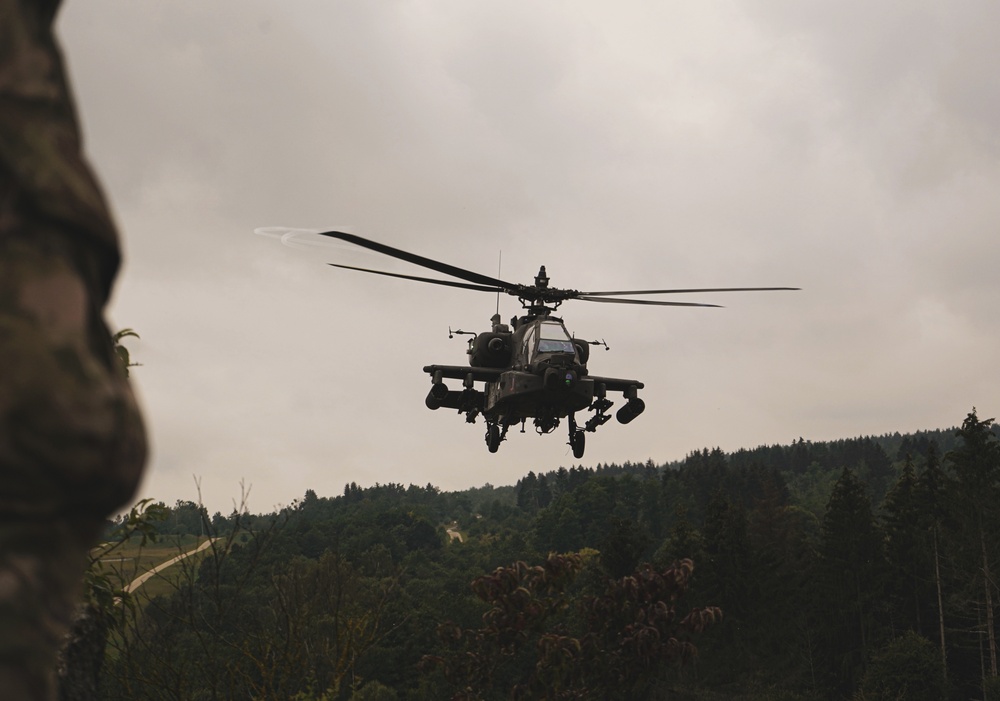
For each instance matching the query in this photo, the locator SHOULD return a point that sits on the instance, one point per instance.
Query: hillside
(836, 566)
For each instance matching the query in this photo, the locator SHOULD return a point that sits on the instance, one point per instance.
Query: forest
(862, 568)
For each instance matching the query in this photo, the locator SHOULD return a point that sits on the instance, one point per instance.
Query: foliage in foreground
(855, 569)
(613, 639)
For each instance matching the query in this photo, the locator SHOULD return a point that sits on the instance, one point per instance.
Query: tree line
(861, 568)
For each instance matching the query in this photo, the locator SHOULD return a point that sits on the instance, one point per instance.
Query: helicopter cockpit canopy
(554, 339)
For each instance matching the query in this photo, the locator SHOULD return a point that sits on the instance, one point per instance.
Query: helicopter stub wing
(460, 372)
(615, 384)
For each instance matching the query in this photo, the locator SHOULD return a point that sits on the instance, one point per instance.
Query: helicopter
(532, 368)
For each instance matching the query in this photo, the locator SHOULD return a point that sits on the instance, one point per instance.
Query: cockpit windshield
(554, 339)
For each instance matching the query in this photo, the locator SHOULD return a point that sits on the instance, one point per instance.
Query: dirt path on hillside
(141, 579)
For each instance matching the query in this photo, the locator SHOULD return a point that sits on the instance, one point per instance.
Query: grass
(131, 559)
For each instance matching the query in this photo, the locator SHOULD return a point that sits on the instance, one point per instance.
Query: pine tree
(784, 588)
(728, 555)
(931, 500)
(977, 488)
(527, 491)
(906, 556)
(851, 564)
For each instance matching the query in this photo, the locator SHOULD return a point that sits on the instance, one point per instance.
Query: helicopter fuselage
(537, 371)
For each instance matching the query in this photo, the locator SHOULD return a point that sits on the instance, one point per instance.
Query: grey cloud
(848, 149)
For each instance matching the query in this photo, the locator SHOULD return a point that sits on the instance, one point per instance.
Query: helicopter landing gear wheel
(493, 437)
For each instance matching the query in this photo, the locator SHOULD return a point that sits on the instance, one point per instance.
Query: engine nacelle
(491, 350)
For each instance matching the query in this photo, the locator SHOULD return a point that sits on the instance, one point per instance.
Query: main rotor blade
(430, 263)
(446, 283)
(645, 301)
(685, 291)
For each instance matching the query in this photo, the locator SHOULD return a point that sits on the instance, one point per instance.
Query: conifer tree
(906, 557)
(930, 497)
(851, 563)
(977, 488)
(784, 565)
(728, 556)
(527, 492)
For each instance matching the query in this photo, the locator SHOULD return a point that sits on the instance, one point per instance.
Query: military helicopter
(532, 368)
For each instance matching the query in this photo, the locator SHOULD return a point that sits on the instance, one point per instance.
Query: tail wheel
(493, 437)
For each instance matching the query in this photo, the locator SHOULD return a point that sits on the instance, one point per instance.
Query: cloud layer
(850, 150)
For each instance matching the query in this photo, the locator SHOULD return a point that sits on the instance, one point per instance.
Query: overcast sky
(848, 148)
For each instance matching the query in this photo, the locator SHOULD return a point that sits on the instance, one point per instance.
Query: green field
(130, 560)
